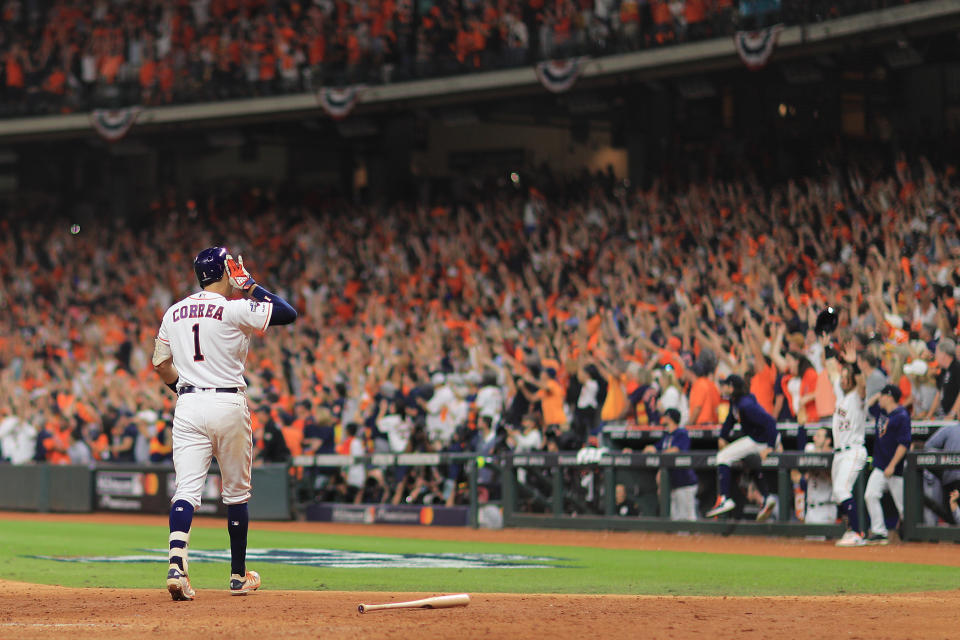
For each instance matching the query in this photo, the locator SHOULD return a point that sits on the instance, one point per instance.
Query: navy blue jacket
(754, 421)
(681, 440)
(892, 431)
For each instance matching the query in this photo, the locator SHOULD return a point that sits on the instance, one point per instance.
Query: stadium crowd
(524, 317)
(68, 55)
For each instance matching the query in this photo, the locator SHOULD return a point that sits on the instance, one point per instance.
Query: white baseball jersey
(397, 429)
(489, 402)
(849, 433)
(821, 508)
(209, 337)
(849, 420)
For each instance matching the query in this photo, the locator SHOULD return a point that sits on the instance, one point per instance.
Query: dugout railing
(916, 501)
(550, 482)
(609, 469)
(518, 476)
(618, 435)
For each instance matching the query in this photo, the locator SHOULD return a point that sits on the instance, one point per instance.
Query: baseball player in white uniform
(820, 507)
(849, 453)
(200, 353)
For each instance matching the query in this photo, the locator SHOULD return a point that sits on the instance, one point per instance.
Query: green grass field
(568, 569)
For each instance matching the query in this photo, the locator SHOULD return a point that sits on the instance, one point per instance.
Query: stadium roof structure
(798, 41)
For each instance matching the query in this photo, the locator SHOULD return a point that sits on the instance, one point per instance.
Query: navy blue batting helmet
(210, 264)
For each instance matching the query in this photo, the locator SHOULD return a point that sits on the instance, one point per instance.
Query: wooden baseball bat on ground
(437, 602)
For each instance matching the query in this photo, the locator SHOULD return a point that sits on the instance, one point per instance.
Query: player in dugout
(760, 438)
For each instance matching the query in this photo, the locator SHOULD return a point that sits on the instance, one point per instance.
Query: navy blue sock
(724, 472)
(181, 516)
(238, 521)
(849, 508)
(761, 483)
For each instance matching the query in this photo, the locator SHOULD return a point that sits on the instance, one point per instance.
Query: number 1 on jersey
(197, 356)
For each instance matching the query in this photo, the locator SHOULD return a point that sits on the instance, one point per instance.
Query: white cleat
(178, 584)
(769, 504)
(723, 506)
(241, 586)
(851, 539)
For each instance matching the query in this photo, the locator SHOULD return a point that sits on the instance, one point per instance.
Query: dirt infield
(35, 611)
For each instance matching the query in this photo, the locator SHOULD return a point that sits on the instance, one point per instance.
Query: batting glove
(239, 276)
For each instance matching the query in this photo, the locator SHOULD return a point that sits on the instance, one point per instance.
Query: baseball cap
(893, 391)
(915, 368)
(437, 379)
(673, 414)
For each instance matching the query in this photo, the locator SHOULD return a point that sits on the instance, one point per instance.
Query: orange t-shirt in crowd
(551, 403)
(344, 447)
(706, 395)
(808, 385)
(761, 386)
(56, 82)
(694, 11)
(616, 401)
(59, 438)
(660, 11)
(318, 49)
(906, 389)
(268, 67)
(148, 73)
(826, 398)
(14, 73)
(110, 67)
(294, 439)
(166, 77)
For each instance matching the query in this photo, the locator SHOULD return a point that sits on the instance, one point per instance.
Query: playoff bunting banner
(113, 124)
(558, 76)
(756, 47)
(338, 103)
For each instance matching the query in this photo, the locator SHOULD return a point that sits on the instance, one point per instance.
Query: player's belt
(189, 389)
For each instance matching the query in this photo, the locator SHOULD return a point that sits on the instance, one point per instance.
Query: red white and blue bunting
(756, 47)
(338, 103)
(113, 124)
(558, 76)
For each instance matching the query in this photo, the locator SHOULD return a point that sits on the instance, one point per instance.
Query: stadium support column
(646, 132)
(923, 98)
(346, 163)
(388, 167)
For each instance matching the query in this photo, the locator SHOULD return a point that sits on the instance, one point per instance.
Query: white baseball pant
(208, 424)
(739, 449)
(877, 484)
(847, 464)
(683, 503)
